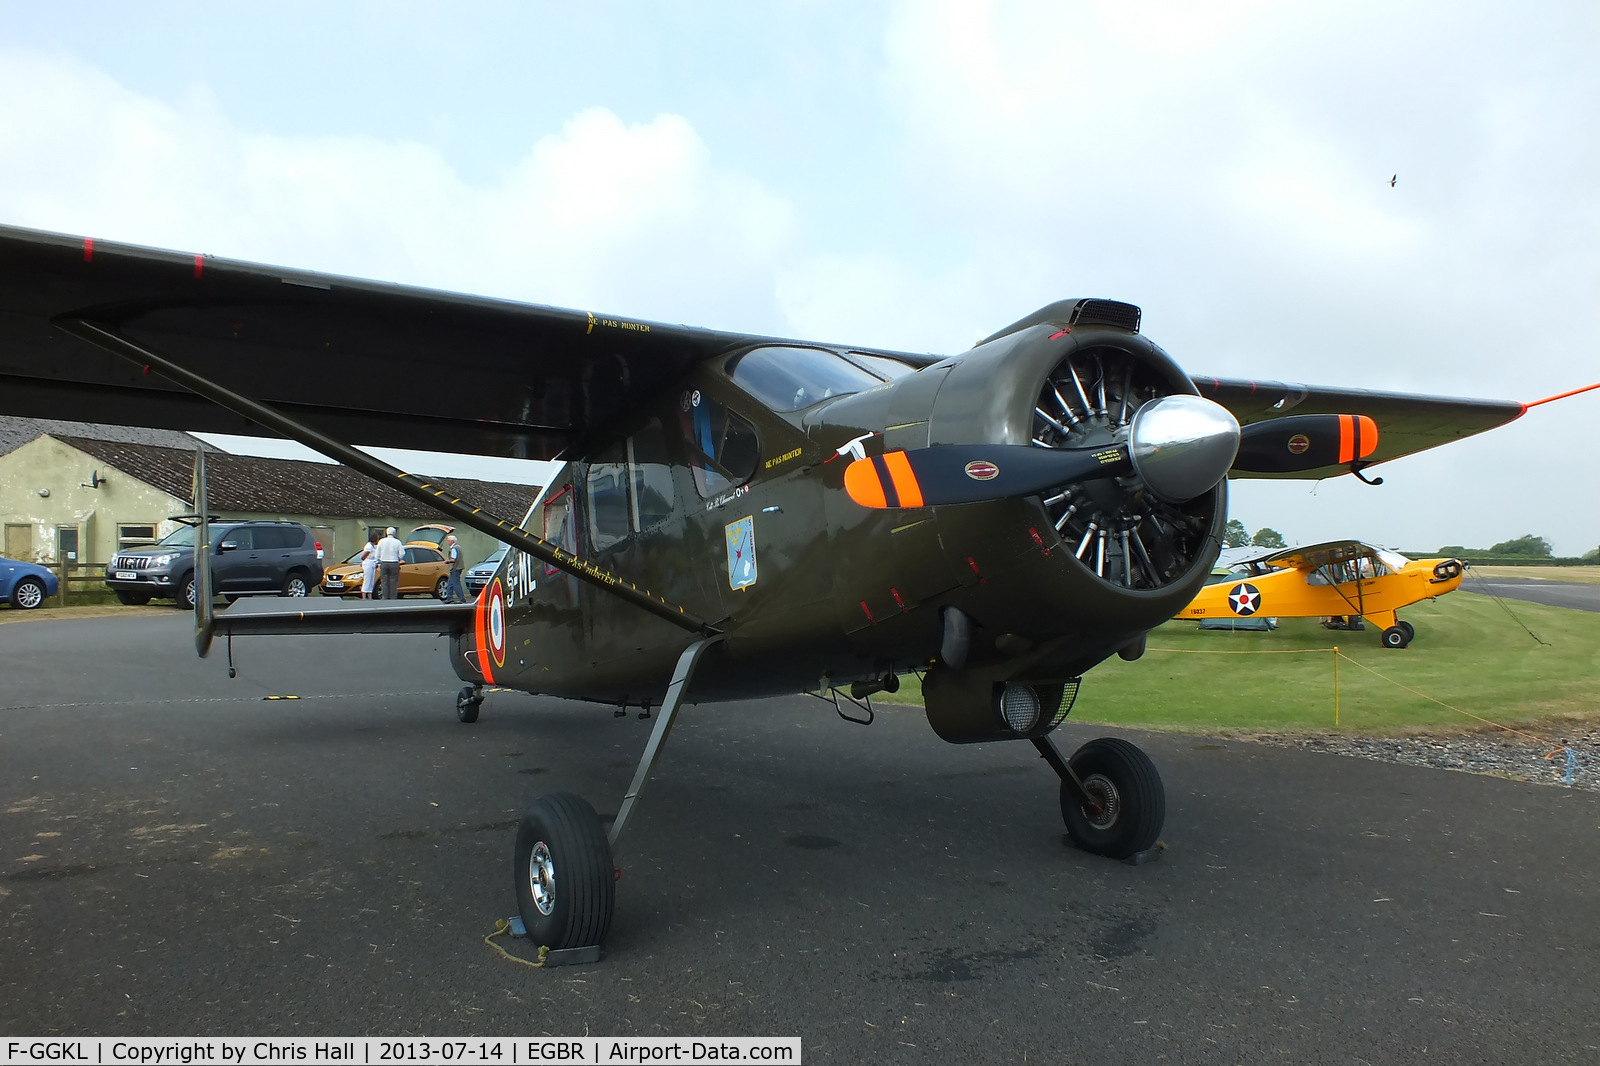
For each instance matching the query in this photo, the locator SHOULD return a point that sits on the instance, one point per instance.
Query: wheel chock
(1139, 858)
(561, 956)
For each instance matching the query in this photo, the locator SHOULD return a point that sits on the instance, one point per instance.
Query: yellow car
(423, 570)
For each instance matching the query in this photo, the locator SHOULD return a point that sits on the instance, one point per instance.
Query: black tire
(562, 849)
(27, 594)
(1395, 637)
(1411, 630)
(295, 584)
(183, 592)
(441, 590)
(467, 703)
(1123, 777)
(132, 599)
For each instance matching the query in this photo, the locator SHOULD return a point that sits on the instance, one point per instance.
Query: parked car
(26, 585)
(432, 535)
(247, 558)
(480, 574)
(422, 570)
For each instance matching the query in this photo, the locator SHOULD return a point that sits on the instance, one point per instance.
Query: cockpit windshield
(787, 379)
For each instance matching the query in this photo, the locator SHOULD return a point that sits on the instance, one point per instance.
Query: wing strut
(384, 474)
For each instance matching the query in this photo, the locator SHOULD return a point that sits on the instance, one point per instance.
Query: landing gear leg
(468, 700)
(1112, 798)
(563, 873)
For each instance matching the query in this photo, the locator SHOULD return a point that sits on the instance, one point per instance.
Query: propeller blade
(1305, 442)
(975, 473)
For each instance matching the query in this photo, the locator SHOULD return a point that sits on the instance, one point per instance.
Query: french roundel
(496, 609)
(1244, 599)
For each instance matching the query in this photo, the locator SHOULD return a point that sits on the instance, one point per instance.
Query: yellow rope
(501, 927)
(1263, 651)
(1442, 703)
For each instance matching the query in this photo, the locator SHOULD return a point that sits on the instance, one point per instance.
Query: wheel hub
(542, 878)
(1107, 799)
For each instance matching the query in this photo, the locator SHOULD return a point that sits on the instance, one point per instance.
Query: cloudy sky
(908, 176)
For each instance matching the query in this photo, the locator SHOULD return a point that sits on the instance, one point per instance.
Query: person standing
(453, 590)
(390, 551)
(369, 565)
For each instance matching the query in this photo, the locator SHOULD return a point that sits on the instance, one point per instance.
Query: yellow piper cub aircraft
(1341, 578)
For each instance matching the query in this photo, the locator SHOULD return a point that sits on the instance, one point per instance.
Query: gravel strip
(1501, 754)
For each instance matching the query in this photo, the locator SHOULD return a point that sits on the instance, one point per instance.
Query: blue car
(26, 585)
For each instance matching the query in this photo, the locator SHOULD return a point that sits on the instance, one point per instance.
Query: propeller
(1179, 446)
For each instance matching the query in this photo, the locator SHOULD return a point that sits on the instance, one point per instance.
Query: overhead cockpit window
(723, 448)
(881, 365)
(787, 379)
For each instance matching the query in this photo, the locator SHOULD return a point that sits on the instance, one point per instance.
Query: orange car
(423, 569)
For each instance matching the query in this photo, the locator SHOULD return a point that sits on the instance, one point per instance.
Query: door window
(558, 525)
(651, 472)
(243, 539)
(723, 448)
(278, 537)
(608, 497)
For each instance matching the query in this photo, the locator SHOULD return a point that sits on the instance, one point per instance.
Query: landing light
(1019, 706)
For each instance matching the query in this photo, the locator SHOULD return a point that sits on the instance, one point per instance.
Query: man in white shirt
(390, 551)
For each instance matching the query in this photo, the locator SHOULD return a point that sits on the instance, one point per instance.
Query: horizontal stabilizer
(333, 616)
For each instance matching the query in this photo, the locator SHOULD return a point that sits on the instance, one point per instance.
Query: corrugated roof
(15, 431)
(250, 484)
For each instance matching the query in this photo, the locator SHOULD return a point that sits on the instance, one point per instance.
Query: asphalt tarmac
(1534, 590)
(180, 856)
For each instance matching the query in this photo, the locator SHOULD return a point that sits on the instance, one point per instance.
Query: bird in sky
(1392, 179)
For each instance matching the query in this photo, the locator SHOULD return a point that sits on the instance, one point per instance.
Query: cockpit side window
(787, 379)
(723, 447)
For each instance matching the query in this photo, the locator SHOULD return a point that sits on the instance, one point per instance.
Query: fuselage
(719, 500)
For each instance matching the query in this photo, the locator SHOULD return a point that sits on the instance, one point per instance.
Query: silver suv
(247, 558)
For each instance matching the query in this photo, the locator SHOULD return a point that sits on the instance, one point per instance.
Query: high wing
(1406, 423)
(1315, 556)
(357, 360)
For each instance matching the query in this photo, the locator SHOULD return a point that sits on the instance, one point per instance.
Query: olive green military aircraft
(738, 516)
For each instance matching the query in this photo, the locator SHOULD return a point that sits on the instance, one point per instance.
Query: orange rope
(1563, 395)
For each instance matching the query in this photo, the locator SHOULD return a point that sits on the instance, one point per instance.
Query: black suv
(247, 558)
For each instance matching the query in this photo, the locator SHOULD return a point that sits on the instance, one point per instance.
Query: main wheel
(467, 703)
(1132, 802)
(132, 599)
(1395, 637)
(295, 585)
(1411, 630)
(183, 593)
(566, 885)
(28, 593)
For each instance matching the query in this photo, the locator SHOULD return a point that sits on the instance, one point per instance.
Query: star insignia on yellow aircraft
(1244, 599)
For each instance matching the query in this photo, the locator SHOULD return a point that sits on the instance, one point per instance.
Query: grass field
(1468, 653)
